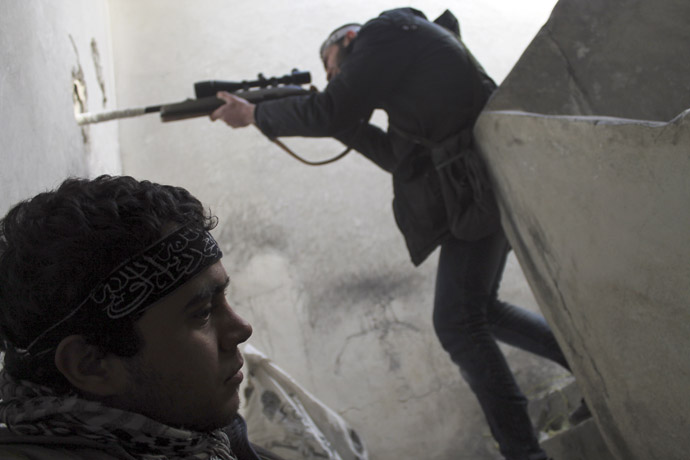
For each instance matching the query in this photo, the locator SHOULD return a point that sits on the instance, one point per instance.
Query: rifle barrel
(88, 117)
(191, 108)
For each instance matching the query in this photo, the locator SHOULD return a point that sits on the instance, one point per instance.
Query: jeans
(469, 318)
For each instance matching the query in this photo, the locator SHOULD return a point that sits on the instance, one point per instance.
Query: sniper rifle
(206, 101)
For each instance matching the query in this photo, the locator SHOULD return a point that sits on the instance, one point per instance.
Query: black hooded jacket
(421, 75)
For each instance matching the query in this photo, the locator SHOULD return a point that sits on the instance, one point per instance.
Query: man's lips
(236, 378)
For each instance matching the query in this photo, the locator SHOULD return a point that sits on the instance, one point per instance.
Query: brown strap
(289, 151)
(307, 162)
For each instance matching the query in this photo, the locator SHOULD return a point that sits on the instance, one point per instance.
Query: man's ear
(88, 369)
(349, 36)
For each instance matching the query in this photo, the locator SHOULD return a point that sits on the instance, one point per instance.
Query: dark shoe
(580, 414)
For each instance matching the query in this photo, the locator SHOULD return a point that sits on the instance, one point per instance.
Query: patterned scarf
(34, 410)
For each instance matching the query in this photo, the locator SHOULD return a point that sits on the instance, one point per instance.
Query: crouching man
(118, 339)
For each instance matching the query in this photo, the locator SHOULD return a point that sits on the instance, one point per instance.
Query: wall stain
(79, 92)
(363, 287)
(96, 56)
(379, 321)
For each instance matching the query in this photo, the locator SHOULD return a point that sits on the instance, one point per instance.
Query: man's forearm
(372, 142)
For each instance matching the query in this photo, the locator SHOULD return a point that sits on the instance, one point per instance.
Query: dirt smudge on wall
(96, 56)
(79, 92)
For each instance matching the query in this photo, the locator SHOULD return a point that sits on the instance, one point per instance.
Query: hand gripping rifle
(206, 102)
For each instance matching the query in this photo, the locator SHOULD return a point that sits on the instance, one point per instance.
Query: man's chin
(220, 420)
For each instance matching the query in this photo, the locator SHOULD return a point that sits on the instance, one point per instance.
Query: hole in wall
(78, 96)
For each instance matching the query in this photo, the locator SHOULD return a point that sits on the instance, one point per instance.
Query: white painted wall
(316, 262)
(42, 44)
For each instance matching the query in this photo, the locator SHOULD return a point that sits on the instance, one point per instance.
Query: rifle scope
(211, 87)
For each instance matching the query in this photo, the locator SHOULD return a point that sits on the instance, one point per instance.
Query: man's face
(332, 59)
(188, 371)
(334, 55)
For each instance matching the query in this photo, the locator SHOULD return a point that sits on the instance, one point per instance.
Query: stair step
(581, 442)
(561, 441)
(549, 411)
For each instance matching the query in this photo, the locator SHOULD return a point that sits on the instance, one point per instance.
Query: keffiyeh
(34, 410)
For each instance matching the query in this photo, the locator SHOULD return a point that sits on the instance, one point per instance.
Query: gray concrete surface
(621, 58)
(597, 209)
(605, 248)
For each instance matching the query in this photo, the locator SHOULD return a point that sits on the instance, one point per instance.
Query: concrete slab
(597, 208)
(622, 58)
(597, 211)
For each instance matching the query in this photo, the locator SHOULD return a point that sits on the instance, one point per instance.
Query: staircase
(560, 439)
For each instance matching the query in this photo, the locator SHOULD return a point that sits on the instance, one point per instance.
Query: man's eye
(203, 313)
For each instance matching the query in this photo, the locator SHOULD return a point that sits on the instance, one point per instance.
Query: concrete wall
(597, 208)
(46, 45)
(621, 58)
(605, 249)
(316, 262)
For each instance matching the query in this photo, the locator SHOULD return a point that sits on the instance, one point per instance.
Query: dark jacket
(422, 76)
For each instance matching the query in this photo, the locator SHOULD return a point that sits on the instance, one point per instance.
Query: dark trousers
(469, 318)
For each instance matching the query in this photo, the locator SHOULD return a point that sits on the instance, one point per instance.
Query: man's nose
(234, 330)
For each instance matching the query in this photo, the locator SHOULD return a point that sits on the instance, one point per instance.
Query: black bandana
(155, 273)
(147, 277)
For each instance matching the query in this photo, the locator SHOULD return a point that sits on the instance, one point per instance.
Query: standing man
(432, 90)
(118, 340)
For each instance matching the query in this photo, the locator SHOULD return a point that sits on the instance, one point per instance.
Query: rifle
(206, 101)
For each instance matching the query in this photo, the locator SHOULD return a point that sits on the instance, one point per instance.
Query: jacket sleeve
(372, 142)
(369, 73)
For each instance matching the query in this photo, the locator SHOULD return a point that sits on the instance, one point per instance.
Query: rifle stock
(206, 105)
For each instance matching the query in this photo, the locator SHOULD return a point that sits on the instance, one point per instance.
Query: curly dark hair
(55, 247)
